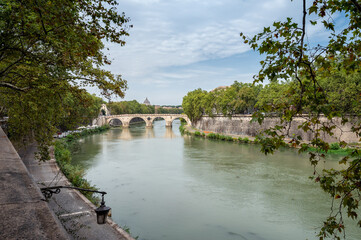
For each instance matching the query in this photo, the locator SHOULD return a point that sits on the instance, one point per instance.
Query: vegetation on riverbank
(181, 127)
(127, 229)
(334, 151)
(215, 136)
(75, 174)
(335, 148)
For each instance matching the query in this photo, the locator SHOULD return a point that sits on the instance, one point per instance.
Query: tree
(168, 110)
(290, 57)
(48, 50)
(343, 91)
(239, 98)
(246, 97)
(272, 96)
(224, 98)
(209, 102)
(193, 104)
(79, 109)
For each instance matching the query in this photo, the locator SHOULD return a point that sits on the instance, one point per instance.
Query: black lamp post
(102, 211)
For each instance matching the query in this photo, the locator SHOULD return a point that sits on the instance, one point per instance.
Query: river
(165, 186)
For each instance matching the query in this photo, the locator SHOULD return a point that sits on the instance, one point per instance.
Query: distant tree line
(134, 107)
(172, 106)
(342, 92)
(129, 107)
(168, 110)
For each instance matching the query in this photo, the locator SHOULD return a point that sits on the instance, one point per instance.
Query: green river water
(165, 186)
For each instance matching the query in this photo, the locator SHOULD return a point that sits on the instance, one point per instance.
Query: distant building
(146, 102)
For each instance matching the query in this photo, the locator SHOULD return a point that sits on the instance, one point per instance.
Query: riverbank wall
(243, 126)
(26, 215)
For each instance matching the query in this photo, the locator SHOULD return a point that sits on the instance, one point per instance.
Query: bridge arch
(113, 121)
(158, 118)
(148, 121)
(132, 119)
(185, 118)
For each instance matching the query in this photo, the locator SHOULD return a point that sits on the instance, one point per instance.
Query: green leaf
(312, 9)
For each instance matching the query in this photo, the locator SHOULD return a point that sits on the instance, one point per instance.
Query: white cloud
(144, 2)
(170, 37)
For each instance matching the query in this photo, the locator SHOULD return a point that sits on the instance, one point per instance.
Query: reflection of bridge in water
(128, 134)
(148, 119)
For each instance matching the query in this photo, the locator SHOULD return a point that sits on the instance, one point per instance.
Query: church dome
(146, 101)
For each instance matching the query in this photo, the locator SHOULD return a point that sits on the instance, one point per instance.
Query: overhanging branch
(11, 86)
(357, 5)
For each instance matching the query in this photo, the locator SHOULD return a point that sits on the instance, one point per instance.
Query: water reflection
(169, 133)
(139, 131)
(132, 133)
(168, 187)
(86, 149)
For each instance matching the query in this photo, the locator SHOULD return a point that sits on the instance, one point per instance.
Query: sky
(176, 46)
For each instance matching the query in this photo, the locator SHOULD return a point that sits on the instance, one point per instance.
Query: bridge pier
(168, 123)
(125, 124)
(149, 124)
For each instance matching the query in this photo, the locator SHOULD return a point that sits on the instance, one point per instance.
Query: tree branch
(11, 86)
(41, 19)
(357, 5)
(303, 29)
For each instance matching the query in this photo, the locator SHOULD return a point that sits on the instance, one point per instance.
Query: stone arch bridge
(148, 119)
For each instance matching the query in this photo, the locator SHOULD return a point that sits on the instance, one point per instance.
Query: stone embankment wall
(242, 125)
(25, 214)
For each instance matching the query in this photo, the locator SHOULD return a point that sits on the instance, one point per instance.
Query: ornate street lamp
(102, 211)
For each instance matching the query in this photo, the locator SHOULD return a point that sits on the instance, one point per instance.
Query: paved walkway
(23, 214)
(75, 212)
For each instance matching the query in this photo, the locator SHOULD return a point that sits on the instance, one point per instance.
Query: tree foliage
(134, 107)
(193, 104)
(129, 107)
(80, 110)
(169, 110)
(49, 50)
(326, 78)
(239, 98)
(342, 90)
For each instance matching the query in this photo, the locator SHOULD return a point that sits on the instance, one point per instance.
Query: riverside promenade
(24, 214)
(67, 215)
